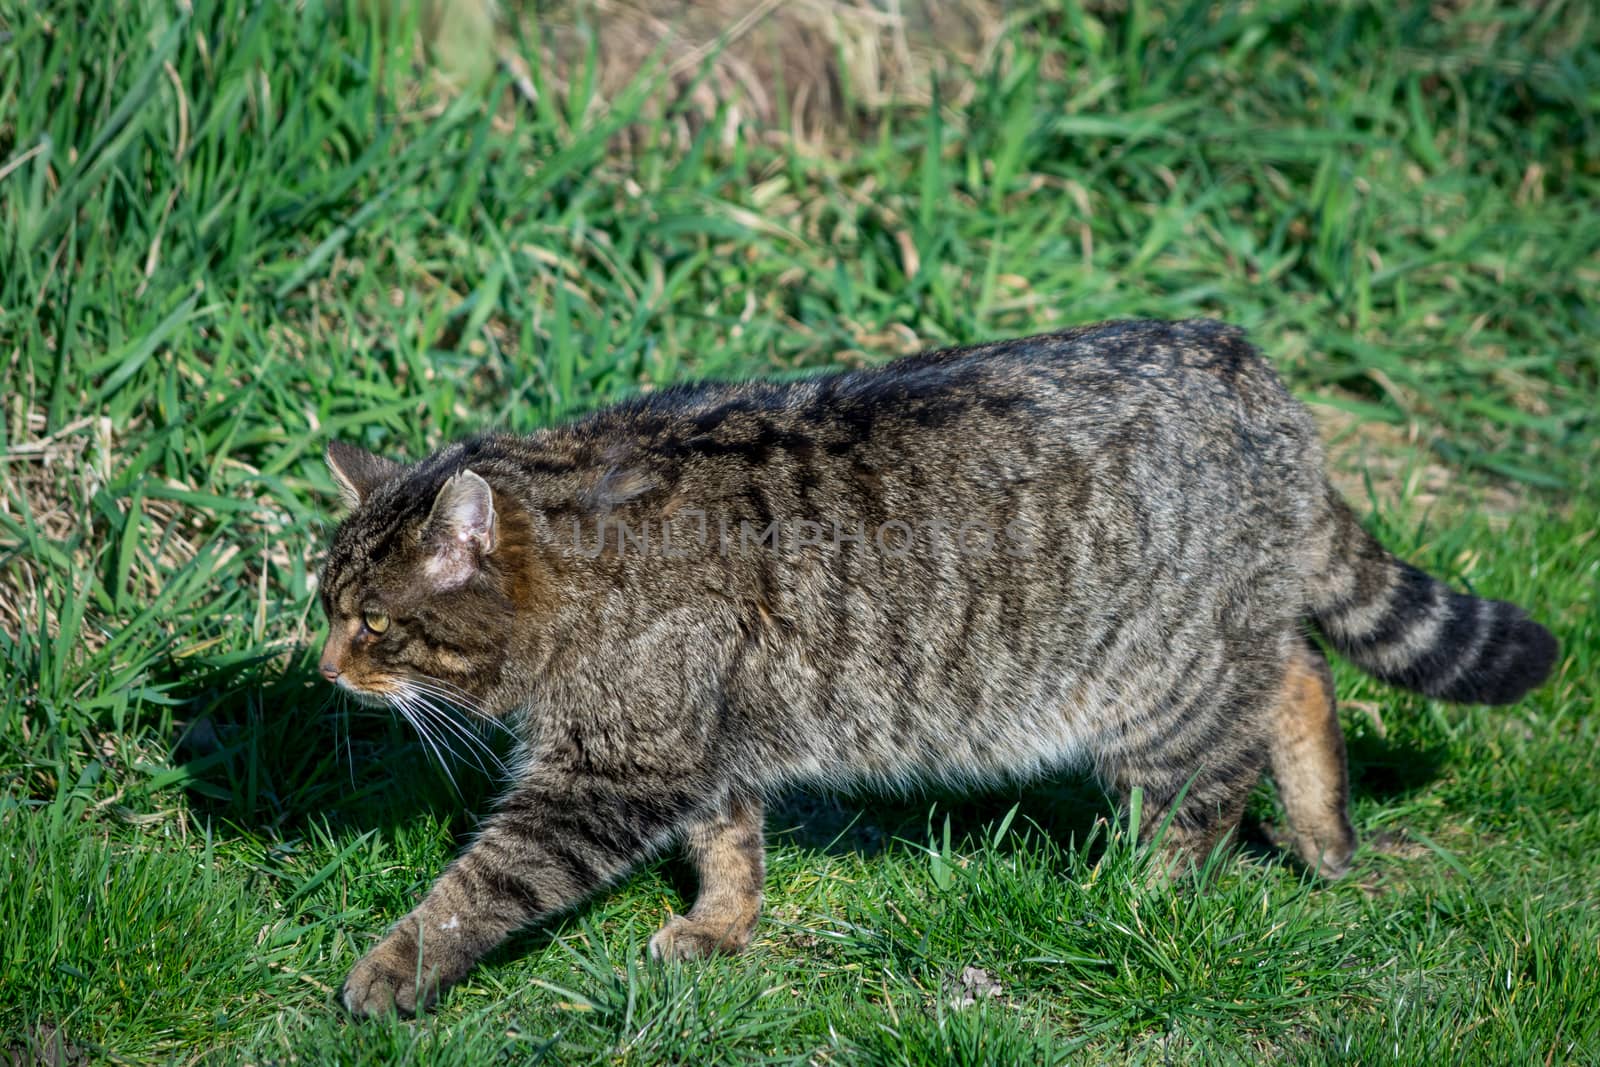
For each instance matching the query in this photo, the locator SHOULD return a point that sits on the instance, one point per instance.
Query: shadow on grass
(1389, 770)
(1064, 808)
(269, 749)
(867, 823)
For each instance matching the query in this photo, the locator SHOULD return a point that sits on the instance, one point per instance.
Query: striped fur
(1404, 626)
(1156, 533)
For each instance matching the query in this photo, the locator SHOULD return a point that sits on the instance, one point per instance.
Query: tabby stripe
(1413, 598)
(506, 883)
(583, 874)
(1458, 631)
(1195, 683)
(382, 543)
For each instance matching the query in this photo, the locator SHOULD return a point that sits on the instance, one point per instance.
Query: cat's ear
(358, 472)
(460, 530)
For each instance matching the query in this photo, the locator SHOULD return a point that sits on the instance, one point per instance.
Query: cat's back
(1148, 431)
(1185, 386)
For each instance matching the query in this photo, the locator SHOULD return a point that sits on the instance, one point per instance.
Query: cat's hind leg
(1308, 763)
(1187, 818)
(1194, 766)
(728, 854)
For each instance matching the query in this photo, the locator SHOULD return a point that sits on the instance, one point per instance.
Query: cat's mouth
(372, 696)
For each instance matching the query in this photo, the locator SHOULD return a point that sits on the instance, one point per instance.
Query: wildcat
(1097, 548)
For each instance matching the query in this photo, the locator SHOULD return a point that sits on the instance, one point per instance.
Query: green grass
(230, 236)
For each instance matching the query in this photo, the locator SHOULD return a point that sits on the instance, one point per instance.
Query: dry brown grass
(46, 478)
(808, 60)
(805, 68)
(1404, 469)
(42, 476)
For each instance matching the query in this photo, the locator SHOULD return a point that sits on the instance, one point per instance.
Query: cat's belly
(876, 735)
(1011, 711)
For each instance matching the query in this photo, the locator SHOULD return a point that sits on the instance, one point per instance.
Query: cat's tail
(1410, 629)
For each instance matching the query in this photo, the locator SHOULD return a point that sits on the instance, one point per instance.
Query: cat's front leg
(552, 842)
(725, 845)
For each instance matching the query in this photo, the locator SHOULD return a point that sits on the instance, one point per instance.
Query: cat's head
(420, 585)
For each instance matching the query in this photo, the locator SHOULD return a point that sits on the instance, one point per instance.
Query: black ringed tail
(1407, 628)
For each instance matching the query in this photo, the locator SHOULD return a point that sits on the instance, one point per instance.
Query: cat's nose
(330, 671)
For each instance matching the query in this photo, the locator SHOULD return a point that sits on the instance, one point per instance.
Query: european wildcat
(1097, 548)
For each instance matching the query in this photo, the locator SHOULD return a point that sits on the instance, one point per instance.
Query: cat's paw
(684, 938)
(386, 980)
(1334, 865)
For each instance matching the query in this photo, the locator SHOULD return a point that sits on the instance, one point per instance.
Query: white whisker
(461, 705)
(461, 699)
(445, 731)
(441, 720)
(406, 706)
(342, 720)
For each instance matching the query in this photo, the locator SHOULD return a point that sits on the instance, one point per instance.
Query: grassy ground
(232, 235)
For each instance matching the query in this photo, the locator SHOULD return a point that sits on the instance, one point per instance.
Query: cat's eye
(376, 621)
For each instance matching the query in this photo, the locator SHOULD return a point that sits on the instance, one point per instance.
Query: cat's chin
(366, 699)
